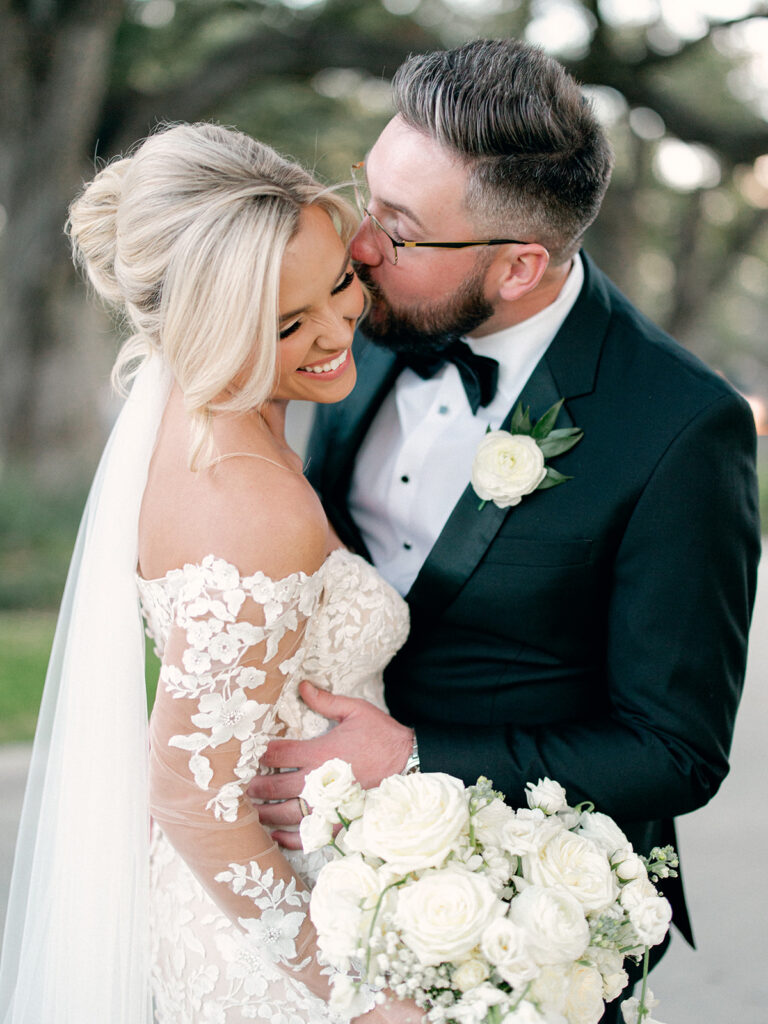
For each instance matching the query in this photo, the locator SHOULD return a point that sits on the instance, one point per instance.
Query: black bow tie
(479, 374)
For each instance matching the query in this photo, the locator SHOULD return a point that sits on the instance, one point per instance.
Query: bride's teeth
(333, 365)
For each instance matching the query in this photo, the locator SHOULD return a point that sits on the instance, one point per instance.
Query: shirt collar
(520, 347)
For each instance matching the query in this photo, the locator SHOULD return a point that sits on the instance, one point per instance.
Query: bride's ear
(518, 270)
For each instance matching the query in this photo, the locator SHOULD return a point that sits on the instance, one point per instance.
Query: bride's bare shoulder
(253, 509)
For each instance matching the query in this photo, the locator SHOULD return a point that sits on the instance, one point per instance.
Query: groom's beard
(429, 329)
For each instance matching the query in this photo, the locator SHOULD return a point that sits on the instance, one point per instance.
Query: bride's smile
(320, 301)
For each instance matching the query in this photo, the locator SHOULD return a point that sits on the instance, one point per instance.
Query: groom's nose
(363, 248)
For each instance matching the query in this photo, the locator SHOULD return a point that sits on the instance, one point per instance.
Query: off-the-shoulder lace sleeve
(231, 645)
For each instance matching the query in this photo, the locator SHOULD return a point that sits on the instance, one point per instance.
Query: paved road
(724, 981)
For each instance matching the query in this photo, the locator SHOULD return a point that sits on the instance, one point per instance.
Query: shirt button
(406, 545)
(443, 410)
(405, 479)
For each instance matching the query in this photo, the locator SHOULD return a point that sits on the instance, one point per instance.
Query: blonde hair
(186, 237)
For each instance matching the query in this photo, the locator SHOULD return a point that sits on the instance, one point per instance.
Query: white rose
(316, 831)
(554, 920)
(504, 944)
(575, 864)
(584, 999)
(411, 822)
(634, 892)
(443, 914)
(469, 975)
(330, 786)
(507, 467)
(527, 831)
(650, 919)
(547, 795)
(603, 831)
(342, 905)
(610, 965)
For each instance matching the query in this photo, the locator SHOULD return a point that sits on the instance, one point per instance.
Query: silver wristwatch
(412, 765)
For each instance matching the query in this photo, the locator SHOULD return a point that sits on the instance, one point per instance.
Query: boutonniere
(512, 463)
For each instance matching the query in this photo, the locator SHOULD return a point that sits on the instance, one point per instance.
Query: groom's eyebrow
(295, 312)
(392, 205)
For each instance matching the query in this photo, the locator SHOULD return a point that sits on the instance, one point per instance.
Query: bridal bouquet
(479, 913)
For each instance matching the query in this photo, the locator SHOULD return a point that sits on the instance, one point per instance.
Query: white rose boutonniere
(509, 464)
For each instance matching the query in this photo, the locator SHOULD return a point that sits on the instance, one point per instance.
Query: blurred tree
(80, 78)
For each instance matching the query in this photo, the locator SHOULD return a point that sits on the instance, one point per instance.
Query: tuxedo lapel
(567, 369)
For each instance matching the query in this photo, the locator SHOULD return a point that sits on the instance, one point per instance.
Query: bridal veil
(76, 943)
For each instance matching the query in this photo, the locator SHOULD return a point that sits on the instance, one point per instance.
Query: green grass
(25, 644)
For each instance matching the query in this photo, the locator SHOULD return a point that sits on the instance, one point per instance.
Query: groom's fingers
(281, 786)
(288, 812)
(289, 840)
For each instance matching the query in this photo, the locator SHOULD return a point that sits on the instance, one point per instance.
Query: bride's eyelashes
(345, 282)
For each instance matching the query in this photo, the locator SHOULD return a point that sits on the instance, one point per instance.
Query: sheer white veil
(76, 943)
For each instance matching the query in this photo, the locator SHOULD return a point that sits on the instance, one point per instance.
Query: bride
(232, 270)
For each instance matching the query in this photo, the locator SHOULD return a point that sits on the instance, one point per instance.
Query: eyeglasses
(397, 243)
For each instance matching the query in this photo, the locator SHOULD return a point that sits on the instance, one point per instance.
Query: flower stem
(643, 1010)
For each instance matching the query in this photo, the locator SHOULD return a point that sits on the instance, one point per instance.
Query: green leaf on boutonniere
(552, 479)
(545, 423)
(521, 420)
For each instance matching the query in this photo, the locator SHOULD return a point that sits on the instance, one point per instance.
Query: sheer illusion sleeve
(232, 644)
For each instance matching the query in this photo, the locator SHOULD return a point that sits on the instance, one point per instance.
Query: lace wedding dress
(231, 936)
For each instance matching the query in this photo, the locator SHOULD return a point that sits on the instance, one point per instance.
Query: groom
(596, 632)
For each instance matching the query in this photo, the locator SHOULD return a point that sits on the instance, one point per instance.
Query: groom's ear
(518, 270)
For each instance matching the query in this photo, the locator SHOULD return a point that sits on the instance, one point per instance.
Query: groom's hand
(369, 739)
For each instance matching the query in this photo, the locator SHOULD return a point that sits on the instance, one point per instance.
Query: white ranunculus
(604, 831)
(547, 795)
(507, 467)
(573, 863)
(554, 920)
(316, 831)
(634, 892)
(342, 905)
(443, 914)
(504, 944)
(650, 919)
(527, 831)
(469, 975)
(412, 821)
(330, 786)
(584, 999)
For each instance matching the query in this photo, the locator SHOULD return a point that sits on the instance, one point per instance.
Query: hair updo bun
(92, 227)
(187, 236)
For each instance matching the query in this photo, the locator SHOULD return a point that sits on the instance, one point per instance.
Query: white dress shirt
(416, 459)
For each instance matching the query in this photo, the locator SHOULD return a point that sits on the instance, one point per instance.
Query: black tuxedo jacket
(597, 632)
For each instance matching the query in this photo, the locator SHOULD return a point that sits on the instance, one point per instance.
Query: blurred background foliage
(681, 85)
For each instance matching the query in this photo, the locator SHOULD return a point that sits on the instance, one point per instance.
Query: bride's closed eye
(343, 284)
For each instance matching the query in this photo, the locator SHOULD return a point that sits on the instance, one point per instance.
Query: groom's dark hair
(539, 160)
